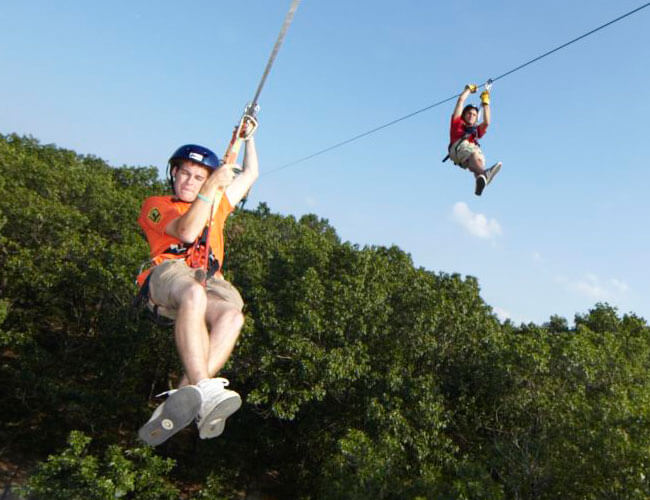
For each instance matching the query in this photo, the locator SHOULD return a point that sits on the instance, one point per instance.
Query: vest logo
(154, 215)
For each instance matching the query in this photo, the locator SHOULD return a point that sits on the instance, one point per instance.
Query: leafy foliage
(68, 251)
(75, 474)
(363, 376)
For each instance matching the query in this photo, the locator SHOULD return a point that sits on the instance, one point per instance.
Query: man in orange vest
(185, 235)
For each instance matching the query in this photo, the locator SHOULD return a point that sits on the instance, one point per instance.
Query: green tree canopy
(363, 376)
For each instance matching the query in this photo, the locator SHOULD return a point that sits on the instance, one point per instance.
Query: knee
(232, 317)
(235, 318)
(194, 296)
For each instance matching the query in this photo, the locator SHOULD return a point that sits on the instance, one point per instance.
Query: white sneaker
(181, 407)
(217, 405)
(492, 171)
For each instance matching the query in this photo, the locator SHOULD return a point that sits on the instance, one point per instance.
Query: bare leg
(225, 323)
(191, 332)
(192, 343)
(476, 164)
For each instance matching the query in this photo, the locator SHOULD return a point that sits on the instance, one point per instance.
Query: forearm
(486, 115)
(251, 164)
(461, 101)
(242, 184)
(188, 227)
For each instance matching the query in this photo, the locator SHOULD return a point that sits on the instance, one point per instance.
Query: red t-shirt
(457, 130)
(158, 211)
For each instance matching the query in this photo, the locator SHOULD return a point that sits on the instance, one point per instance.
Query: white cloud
(537, 258)
(474, 223)
(594, 287)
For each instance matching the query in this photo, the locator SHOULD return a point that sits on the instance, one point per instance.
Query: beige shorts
(461, 150)
(166, 273)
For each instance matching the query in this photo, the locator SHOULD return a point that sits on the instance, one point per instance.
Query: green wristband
(203, 198)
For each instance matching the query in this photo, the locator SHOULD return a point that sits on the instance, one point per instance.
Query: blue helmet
(197, 154)
(194, 153)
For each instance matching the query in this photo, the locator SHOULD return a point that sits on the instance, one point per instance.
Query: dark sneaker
(481, 182)
(491, 172)
(179, 410)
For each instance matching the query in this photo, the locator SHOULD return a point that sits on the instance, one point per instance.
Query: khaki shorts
(166, 273)
(461, 150)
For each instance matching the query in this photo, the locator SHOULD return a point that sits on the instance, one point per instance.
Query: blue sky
(565, 224)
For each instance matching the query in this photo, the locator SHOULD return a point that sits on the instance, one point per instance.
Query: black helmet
(469, 106)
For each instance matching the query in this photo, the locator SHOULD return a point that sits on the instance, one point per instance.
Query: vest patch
(154, 215)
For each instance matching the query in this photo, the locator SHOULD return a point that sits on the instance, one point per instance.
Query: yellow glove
(485, 98)
(472, 87)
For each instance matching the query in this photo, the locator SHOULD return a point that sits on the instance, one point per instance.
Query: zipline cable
(356, 137)
(439, 103)
(570, 42)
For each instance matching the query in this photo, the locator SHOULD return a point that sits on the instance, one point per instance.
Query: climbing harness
(469, 132)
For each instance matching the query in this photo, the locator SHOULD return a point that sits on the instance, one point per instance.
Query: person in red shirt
(206, 309)
(464, 133)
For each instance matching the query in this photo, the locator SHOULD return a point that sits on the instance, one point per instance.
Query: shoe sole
(215, 422)
(179, 410)
(480, 185)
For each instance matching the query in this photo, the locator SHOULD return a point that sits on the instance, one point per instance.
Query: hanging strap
(247, 123)
(276, 48)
